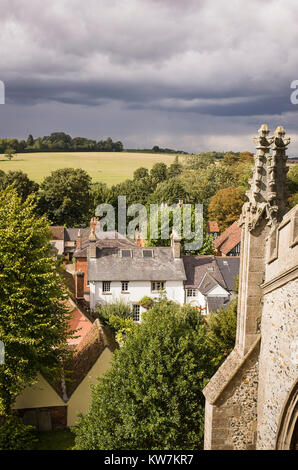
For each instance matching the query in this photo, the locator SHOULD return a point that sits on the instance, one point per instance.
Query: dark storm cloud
(174, 59)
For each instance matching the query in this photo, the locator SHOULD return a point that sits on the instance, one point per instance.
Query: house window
(235, 251)
(126, 253)
(136, 315)
(106, 286)
(147, 253)
(124, 286)
(191, 292)
(157, 286)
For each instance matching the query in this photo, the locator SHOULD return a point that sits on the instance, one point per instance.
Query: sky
(195, 75)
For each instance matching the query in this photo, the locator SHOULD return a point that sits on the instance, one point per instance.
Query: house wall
(81, 265)
(80, 400)
(38, 395)
(198, 301)
(136, 291)
(279, 327)
(58, 245)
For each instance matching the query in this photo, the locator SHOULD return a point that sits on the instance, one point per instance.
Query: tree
(200, 161)
(23, 185)
(151, 398)
(30, 141)
(221, 334)
(65, 196)
(202, 185)
(159, 172)
(230, 159)
(226, 205)
(33, 318)
(169, 191)
(175, 169)
(9, 153)
(140, 173)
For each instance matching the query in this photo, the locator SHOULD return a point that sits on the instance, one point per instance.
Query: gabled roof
(212, 226)
(216, 302)
(110, 266)
(221, 270)
(228, 239)
(57, 232)
(85, 355)
(208, 283)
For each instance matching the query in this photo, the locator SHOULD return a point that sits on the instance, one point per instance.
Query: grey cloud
(178, 61)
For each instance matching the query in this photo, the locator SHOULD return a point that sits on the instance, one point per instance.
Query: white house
(210, 281)
(135, 272)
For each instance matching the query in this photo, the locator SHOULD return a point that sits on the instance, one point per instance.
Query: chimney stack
(79, 284)
(79, 240)
(92, 243)
(176, 245)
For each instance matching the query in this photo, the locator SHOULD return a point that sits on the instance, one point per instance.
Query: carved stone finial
(267, 193)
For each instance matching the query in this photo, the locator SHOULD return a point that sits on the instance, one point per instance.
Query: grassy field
(110, 168)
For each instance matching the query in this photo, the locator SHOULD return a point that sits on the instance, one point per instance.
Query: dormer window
(147, 253)
(126, 253)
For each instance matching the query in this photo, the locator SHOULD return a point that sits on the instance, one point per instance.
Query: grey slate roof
(214, 303)
(222, 270)
(110, 266)
(105, 240)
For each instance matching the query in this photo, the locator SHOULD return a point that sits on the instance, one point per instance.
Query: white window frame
(125, 285)
(156, 288)
(191, 292)
(126, 249)
(106, 284)
(136, 313)
(148, 257)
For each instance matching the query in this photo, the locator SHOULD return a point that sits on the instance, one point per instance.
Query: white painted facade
(200, 300)
(174, 290)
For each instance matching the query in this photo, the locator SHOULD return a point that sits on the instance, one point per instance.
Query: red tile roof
(212, 226)
(77, 322)
(228, 239)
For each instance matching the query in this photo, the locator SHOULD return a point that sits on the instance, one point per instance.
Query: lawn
(110, 168)
(62, 439)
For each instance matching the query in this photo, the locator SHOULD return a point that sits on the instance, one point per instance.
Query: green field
(110, 168)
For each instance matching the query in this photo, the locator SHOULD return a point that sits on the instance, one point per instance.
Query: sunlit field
(110, 168)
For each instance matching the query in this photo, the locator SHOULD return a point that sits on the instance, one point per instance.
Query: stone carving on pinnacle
(267, 196)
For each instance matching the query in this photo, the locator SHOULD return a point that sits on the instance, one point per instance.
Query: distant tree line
(69, 197)
(59, 142)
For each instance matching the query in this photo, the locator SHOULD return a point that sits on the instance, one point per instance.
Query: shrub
(14, 435)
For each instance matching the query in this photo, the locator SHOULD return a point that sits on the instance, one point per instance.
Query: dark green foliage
(23, 185)
(152, 397)
(14, 435)
(141, 173)
(65, 197)
(59, 142)
(169, 191)
(159, 172)
(33, 318)
(222, 332)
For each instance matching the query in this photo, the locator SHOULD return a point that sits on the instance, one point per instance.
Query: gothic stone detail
(245, 398)
(278, 359)
(231, 420)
